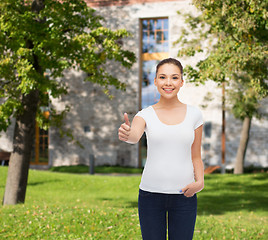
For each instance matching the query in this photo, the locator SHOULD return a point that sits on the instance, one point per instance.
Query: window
(154, 48)
(40, 147)
(39, 154)
(154, 36)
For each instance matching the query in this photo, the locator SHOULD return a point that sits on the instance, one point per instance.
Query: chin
(169, 96)
(172, 94)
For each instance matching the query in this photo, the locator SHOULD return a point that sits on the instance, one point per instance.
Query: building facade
(95, 119)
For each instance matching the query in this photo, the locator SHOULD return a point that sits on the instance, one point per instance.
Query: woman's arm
(198, 185)
(131, 133)
(196, 157)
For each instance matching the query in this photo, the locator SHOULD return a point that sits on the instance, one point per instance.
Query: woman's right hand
(124, 130)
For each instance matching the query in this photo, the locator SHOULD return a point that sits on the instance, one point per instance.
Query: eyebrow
(176, 74)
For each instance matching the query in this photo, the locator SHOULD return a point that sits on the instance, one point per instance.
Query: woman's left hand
(192, 188)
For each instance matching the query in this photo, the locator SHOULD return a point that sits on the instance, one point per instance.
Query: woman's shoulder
(146, 109)
(144, 112)
(194, 109)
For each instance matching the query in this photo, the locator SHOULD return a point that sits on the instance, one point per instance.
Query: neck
(169, 103)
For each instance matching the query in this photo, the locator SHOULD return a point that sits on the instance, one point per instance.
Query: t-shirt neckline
(171, 124)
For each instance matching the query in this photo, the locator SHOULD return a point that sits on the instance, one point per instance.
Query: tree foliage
(233, 35)
(48, 36)
(59, 35)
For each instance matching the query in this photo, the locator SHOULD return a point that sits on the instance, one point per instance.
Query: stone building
(95, 119)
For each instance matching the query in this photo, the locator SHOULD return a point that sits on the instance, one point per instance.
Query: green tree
(233, 36)
(39, 36)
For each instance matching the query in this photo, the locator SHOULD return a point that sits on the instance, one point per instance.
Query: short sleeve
(198, 118)
(141, 114)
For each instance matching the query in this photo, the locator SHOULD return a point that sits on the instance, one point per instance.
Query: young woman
(174, 171)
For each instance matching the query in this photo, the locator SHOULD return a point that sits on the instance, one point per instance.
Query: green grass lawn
(97, 169)
(73, 206)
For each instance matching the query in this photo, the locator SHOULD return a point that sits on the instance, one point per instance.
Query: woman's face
(168, 80)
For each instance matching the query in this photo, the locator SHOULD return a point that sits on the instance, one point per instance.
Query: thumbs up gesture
(124, 130)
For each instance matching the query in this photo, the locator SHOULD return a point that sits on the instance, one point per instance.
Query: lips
(168, 90)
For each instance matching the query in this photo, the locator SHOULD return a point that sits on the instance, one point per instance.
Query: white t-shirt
(169, 166)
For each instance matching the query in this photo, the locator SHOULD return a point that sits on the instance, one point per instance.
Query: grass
(131, 170)
(73, 206)
(97, 169)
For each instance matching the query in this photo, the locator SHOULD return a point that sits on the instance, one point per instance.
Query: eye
(176, 78)
(162, 77)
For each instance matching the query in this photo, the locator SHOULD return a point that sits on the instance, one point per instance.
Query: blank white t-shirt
(169, 166)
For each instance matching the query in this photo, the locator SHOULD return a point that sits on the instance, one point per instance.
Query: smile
(168, 90)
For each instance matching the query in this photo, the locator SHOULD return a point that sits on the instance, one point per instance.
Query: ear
(182, 82)
(155, 81)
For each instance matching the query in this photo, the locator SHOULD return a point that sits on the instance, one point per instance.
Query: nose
(168, 81)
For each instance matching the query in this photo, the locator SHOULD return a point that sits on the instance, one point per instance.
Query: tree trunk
(17, 177)
(241, 152)
(19, 162)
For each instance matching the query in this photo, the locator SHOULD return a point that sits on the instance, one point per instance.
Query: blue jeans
(159, 211)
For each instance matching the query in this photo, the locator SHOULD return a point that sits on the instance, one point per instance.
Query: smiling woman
(174, 171)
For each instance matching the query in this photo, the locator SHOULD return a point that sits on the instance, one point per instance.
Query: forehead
(169, 68)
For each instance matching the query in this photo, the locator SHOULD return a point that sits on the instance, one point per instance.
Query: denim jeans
(159, 212)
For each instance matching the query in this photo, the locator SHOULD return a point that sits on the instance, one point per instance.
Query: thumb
(126, 119)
